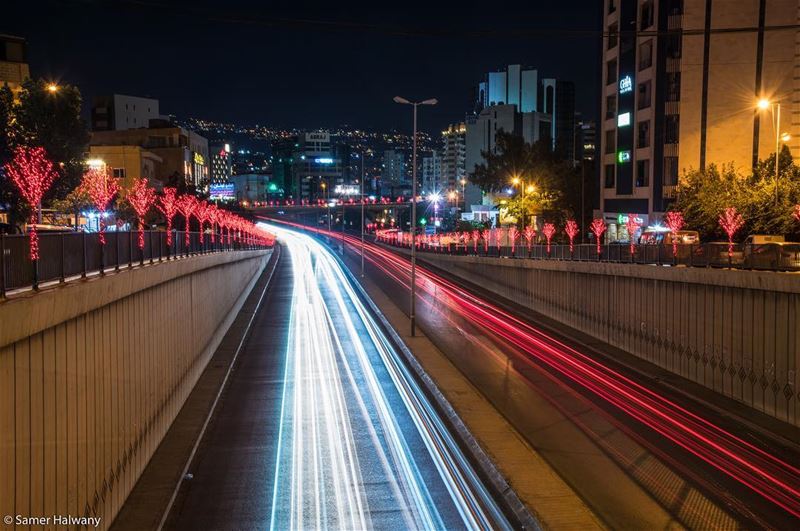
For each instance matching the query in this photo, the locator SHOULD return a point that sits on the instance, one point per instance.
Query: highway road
(628, 446)
(322, 425)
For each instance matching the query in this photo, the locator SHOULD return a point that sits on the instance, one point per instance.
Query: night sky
(306, 64)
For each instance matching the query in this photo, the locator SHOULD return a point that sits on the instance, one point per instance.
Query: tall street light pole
(765, 104)
(412, 312)
(363, 200)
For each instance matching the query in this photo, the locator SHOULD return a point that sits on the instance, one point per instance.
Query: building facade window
(672, 126)
(670, 171)
(611, 106)
(613, 35)
(673, 86)
(611, 72)
(119, 173)
(608, 174)
(612, 6)
(646, 54)
(642, 173)
(643, 134)
(611, 141)
(644, 95)
(646, 15)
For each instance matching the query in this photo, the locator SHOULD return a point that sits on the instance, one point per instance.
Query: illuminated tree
(476, 237)
(571, 228)
(549, 231)
(185, 205)
(497, 239)
(101, 187)
(486, 234)
(513, 236)
(167, 205)
(213, 219)
(598, 227)
(530, 235)
(674, 222)
(730, 221)
(632, 225)
(141, 197)
(201, 213)
(33, 174)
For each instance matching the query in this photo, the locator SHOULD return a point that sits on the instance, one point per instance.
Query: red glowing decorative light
(674, 221)
(632, 225)
(486, 234)
(530, 235)
(476, 236)
(730, 221)
(497, 239)
(796, 212)
(101, 187)
(598, 227)
(513, 236)
(571, 228)
(141, 197)
(33, 174)
(167, 204)
(185, 205)
(549, 231)
(201, 213)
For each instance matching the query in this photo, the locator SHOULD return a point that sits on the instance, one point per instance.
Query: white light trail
(344, 453)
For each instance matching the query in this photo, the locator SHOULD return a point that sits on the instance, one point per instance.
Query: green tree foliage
(47, 119)
(556, 181)
(703, 195)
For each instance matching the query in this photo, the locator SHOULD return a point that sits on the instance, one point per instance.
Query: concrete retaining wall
(93, 373)
(735, 332)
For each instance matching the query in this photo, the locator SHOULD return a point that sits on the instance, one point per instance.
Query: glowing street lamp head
(434, 197)
(52, 88)
(530, 189)
(764, 104)
(785, 137)
(451, 196)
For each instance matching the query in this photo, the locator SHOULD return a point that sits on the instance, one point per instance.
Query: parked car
(767, 251)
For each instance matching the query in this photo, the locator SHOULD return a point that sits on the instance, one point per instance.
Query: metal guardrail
(767, 257)
(76, 254)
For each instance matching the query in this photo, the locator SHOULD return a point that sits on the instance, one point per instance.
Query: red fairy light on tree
(185, 205)
(486, 234)
(730, 221)
(598, 227)
(549, 231)
(632, 225)
(465, 240)
(213, 215)
(796, 212)
(101, 187)
(530, 235)
(571, 228)
(141, 197)
(201, 213)
(674, 221)
(33, 174)
(513, 236)
(168, 205)
(476, 237)
(498, 239)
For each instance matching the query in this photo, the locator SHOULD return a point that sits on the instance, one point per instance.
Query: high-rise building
(515, 86)
(13, 62)
(119, 112)
(393, 171)
(558, 102)
(432, 173)
(221, 167)
(454, 158)
(585, 140)
(311, 166)
(682, 94)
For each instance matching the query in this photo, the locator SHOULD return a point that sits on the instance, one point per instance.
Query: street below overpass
(639, 454)
(323, 425)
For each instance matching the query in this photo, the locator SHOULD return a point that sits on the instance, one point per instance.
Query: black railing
(68, 255)
(767, 257)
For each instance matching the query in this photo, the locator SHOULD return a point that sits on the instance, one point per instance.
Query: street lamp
(464, 193)
(52, 88)
(765, 104)
(403, 101)
(526, 189)
(434, 198)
